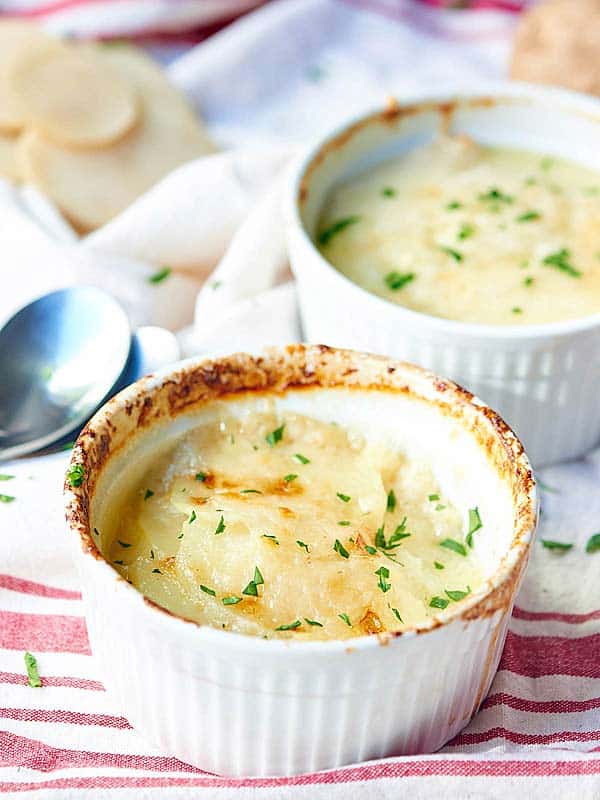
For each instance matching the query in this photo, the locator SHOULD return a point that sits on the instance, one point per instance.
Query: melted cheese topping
(268, 525)
(471, 233)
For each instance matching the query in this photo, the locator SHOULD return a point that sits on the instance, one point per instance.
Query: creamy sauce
(471, 233)
(268, 525)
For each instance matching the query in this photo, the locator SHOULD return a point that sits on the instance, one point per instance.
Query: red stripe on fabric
(40, 589)
(541, 706)
(22, 752)
(55, 6)
(534, 656)
(451, 767)
(53, 680)
(44, 633)
(516, 737)
(555, 616)
(67, 717)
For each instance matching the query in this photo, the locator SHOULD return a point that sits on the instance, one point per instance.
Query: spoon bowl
(60, 356)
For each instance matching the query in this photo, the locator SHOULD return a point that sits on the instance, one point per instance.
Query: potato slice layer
(16, 40)
(91, 186)
(72, 97)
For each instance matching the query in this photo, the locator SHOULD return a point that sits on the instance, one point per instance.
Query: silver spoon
(60, 357)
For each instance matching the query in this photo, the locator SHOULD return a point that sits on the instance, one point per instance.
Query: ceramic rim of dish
(160, 397)
(485, 94)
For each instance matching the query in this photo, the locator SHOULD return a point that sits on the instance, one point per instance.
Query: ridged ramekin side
(229, 712)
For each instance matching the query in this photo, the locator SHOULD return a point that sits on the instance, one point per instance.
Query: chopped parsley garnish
(457, 594)
(457, 547)
(370, 550)
(437, 565)
(345, 498)
(383, 573)
(393, 542)
(4, 477)
(452, 253)
(549, 544)
(291, 626)
(192, 518)
(232, 600)
(149, 493)
(160, 276)
(33, 676)
(516, 310)
(438, 602)
(440, 507)
(336, 227)
(157, 571)
(300, 458)
(289, 478)
(344, 522)
(124, 544)
(465, 231)
(528, 281)
(119, 561)
(396, 280)
(494, 195)
(433, 497)
(96, 531)
(453, 205)
(208, 590)
(250, 491)
(275, 436)
(7, 498)
(388, 191)
(529, 216)
(346, 619)
(201, 476)
(391, 501)
(561, 260)
(475, 524)
(313, 622)
(252, 587)
(220, 527)
(397, 614)
(271, 537)
(303, 545)
(593, 543)
(151, 553)
(340, 549)
(76, 474)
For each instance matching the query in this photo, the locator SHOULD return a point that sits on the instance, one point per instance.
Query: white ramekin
(242, 705)
(543, 379)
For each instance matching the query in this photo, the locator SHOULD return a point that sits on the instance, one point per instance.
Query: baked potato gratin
(281, 525)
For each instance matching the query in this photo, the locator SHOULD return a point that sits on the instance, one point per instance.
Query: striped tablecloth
(538, 732)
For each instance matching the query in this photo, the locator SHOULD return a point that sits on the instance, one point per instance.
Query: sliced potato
(73, 97)
(8, 157)
(92, 186)
(16, 40)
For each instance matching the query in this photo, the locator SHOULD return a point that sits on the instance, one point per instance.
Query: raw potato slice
(72, 97)
(16, 39)
(92, 186)
(8, 157)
